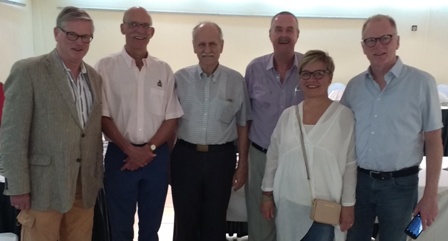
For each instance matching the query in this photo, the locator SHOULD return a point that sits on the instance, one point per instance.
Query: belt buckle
(374, 174)
(202, 148)
(380, 175)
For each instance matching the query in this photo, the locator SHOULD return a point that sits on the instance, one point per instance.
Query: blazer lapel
(59, 77)
(95, 88)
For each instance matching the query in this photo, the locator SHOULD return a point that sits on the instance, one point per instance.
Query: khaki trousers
(259, 228)
(74, 225)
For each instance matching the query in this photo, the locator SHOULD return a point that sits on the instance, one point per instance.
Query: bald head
(136, 11)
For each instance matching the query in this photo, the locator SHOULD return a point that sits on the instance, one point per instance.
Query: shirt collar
(130, 61)
(270, 64)
(203, 75)
(393, 73)
(83, 67)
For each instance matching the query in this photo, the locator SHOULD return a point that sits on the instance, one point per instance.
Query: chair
(335, 91)
(237, 214)
(8, 237)
(439, 229)
(443, 88)
(443, 99)
(443, 93)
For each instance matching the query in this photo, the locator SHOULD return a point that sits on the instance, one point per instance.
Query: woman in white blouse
(328, 134)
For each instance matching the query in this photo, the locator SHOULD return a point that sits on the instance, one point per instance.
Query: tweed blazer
(43, 146)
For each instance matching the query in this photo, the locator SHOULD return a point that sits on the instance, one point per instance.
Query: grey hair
(71, 13)
(205, 23)
(379, 17)
(284, 13)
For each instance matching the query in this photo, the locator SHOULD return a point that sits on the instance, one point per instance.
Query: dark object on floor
(240, 228)
(8, 214)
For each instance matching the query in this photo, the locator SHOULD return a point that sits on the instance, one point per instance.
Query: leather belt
(259, 147)
(391, 175)
(206, 148)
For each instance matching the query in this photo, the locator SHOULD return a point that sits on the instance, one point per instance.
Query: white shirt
(138, 101)
(330, 151)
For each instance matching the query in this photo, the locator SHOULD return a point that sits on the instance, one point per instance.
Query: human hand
(428, 209)
(267, 208)
(138, 156)
(21, 202)
(129, 165)
(239, 178)
(347, 218)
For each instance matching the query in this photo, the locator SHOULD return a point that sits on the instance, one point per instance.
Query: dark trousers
(392, 201)
(145, 187)
(200, 187)
(8, 214)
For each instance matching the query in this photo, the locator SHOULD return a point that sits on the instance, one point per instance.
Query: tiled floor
(166, 229)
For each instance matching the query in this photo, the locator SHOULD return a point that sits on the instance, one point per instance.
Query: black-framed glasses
(384, 40)
(72, 36)
(135, 25)
(318, 74)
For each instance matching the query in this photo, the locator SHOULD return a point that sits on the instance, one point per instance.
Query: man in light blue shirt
(397, 112)
(216, 110)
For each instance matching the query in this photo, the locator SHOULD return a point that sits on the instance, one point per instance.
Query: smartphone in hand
(415, 227)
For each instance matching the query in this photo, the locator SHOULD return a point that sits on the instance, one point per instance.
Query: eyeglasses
(135, 25)
(318, 74)
(72, 36)
(384, 40)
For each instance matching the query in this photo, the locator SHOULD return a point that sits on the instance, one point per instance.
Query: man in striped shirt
(51, 144)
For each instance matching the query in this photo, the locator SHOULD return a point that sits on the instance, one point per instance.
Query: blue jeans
(319, 232)
(392, 201)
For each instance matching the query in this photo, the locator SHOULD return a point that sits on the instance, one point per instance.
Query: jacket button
(83, 135)
(78, 160)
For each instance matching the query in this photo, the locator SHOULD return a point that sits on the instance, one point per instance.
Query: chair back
(8, 237)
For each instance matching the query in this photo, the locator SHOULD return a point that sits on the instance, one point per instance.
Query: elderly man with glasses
(51, 144)
(140, 112)
(397, 112)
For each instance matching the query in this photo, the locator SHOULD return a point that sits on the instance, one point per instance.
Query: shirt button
(379, 99)
(375, 116)
(78, 160)
(373, 133)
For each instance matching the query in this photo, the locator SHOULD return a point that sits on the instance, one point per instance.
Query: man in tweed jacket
(50, 139)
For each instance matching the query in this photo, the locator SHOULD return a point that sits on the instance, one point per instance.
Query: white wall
(245, 37)
(16, 37)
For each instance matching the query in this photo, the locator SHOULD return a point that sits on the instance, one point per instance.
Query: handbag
(322, 211)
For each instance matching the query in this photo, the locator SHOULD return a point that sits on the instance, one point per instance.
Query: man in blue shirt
(397, 112)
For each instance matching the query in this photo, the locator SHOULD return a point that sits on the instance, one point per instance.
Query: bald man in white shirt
(140, 112)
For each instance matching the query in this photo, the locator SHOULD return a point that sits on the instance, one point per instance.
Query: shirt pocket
(156, 98)
(224, 111)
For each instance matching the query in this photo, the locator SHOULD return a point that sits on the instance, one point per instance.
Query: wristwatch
(152, 147)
